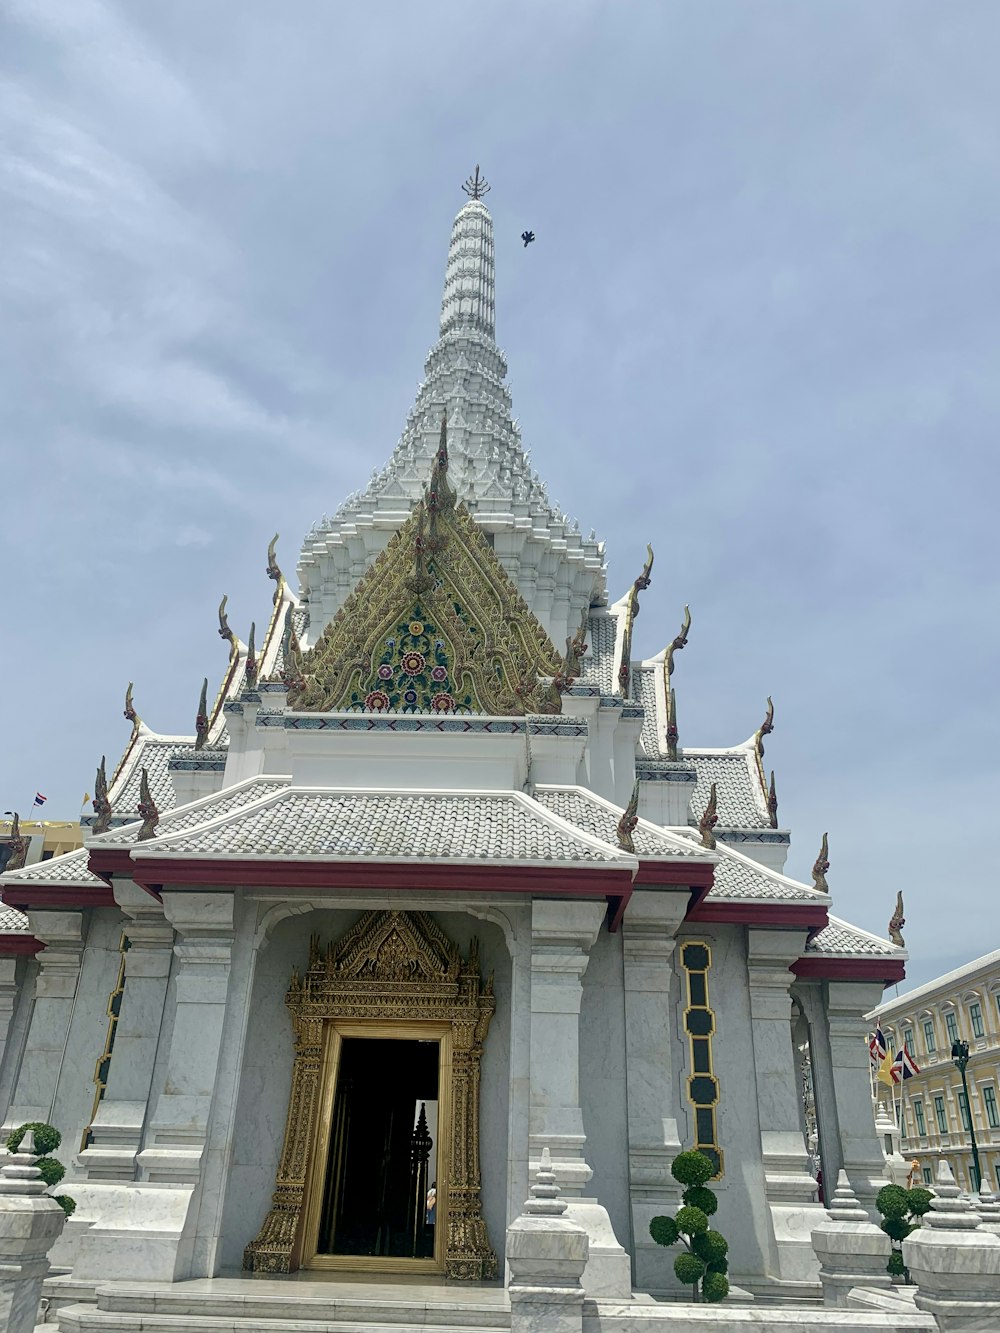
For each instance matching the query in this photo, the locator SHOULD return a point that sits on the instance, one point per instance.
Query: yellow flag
(86, 798)
(885, 1071)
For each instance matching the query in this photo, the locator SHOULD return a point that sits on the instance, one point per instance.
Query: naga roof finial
(251, 668)
(765, 728)
(631, 611)
(896, 923)
(101, 803)
(147, 808)
(476, 186)
(419, 581)
(708, 821)
(201, 720)
(673, 736)
(772, 802)
(224, 631)
(679, 642)
(273, 570)
(292, 666)
(629, 820)
(130, 713)
(820, 866)
(18, 846)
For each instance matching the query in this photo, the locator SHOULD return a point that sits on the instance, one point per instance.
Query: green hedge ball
(701, 1197)
(691, 1220)
(691, 1167)
(710, 1246)
(664, 1230)
(688, 1269)
(47, 1137)
(67, 1204)
(715, 1287)
(52, 1170)
(892, 1201)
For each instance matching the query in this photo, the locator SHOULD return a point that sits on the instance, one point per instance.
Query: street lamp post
(960, 1058)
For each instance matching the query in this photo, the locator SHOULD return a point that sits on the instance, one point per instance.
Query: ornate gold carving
(631, 611)
(102, 804)
(820, 866)
(629, 820)
(709, 819)
(896, 923)
(435, 622)
(399, 967)
(147, 808)
(103, 1066)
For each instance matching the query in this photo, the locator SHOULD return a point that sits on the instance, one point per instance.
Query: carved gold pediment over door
(398, 969)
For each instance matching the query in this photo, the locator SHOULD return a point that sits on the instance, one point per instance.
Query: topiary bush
(47, 1139)
(703, 1264)
(901, 1211)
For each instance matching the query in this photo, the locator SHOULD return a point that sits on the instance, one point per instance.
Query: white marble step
(245, 1305)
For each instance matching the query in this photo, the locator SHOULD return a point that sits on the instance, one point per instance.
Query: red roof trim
(52, 895)
(691, 874)
(16, 943)
(816, 966)
(800, 915)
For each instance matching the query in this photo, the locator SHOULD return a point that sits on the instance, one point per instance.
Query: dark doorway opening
(380, 1193)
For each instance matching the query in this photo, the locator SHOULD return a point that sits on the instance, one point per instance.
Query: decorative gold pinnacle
(631, 612)
(896, 923)
(629, 820)
(476, 186)
(101, 802)
(708, 821)
(147, 808)
(820, 866)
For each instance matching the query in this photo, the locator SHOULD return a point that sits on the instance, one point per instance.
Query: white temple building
(435, 884)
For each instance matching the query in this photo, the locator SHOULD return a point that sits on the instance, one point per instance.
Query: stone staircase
(272, 1305)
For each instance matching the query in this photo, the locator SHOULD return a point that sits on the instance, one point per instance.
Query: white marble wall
(25, 970)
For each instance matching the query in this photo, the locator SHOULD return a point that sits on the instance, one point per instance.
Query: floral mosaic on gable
(414, 675)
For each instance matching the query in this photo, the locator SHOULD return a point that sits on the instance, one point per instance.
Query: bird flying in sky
(527, 237)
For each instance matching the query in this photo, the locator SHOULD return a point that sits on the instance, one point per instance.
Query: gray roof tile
(588, 812)
(739, 877)
(13, 922)
(490, 826)
(741, 801)
(199, 812)
(841, 938)
(70, 868)
(599, 667)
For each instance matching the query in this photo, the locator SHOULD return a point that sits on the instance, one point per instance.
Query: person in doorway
(432, 1195)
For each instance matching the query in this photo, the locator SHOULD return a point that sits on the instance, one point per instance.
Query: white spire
(464, 379)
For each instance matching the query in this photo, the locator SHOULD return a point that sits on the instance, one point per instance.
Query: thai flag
(877, 1047)
(904, 1066)
(39, 799)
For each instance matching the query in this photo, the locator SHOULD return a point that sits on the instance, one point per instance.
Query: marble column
(203, 949)
(562, 934)
(116, 1131)
(861, 1152)
(648, 938)
(64, 935)
(789, 1186)
(8, 997)
(810, 999)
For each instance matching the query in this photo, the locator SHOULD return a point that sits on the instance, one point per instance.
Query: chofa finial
(273, 570)
(678, 642)
(820, 866)
(201, 720)
(101, 802)
(631, 611)
(896, 923)
(147, 808)
(629, 820)
(476, 186)
(130, 713)
(708, 821)
(224, 631)
(766, 727)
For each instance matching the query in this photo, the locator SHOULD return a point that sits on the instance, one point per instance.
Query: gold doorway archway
(395, 968)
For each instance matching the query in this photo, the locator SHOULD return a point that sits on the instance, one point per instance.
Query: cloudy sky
(758, 327)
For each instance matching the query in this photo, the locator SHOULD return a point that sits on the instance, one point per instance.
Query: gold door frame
(312, 1205)
(398, 970)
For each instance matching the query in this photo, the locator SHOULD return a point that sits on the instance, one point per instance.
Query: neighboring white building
(423, 852)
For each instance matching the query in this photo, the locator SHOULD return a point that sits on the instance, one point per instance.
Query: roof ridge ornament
(130, 714)
(772, 803)
(708, 821)
(250, 671)
(201, 719)
(896, 923)
(476, 186)
(631, 612)
(18, 845)
(273, 568)
(629, 820)
(677, 643)
(820, 866)
(673, 735)
(146, 808)
(101, 803)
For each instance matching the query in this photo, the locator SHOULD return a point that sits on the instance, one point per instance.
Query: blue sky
(758, 328)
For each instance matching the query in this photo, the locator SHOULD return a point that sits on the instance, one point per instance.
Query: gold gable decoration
(435, 625)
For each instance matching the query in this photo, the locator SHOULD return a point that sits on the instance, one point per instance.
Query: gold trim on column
(398, 971)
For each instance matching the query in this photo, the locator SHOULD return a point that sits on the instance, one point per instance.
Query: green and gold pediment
(435, 625)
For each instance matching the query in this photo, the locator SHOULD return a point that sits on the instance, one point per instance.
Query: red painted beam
(815, 966)
(802, 915)
(19, 944)
(23, 896)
